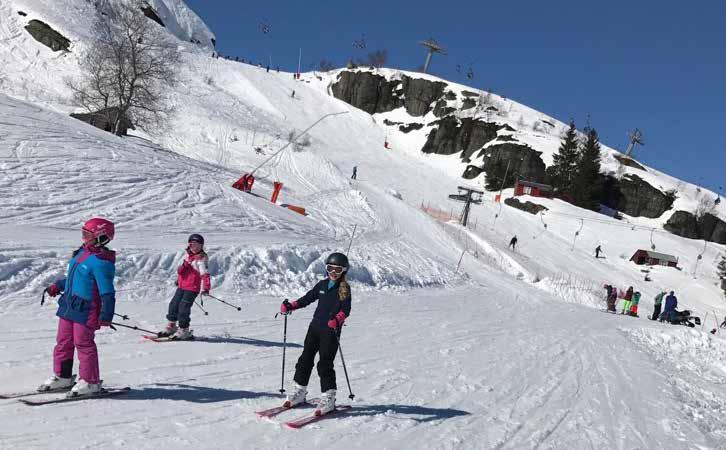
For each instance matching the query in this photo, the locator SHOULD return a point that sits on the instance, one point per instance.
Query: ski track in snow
(508, 352)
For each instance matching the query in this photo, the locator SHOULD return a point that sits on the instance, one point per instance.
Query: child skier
(626, 300)
(634, 305)
(86, 304)
(192, 276)
(334, 301)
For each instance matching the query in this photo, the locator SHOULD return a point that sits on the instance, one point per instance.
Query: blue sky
(656, 65)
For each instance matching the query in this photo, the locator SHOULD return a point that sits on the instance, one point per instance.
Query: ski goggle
(86, 235)
(334, 269)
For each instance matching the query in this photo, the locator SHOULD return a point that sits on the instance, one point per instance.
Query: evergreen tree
(586, 181)
(722, 272)
(561, 173)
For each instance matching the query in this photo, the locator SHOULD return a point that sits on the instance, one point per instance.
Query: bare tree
(128, 70)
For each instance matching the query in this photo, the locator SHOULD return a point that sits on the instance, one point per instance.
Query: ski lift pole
(295, 139)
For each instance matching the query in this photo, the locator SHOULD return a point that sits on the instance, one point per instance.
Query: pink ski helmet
(98, 231)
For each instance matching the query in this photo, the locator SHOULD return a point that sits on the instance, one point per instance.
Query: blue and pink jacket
(193, 274)
(88, 293)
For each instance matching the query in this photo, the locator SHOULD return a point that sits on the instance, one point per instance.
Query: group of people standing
(631, 299)
(88, 298)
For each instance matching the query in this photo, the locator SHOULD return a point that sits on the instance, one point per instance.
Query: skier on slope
(657, 302)
(334, 302)
(626, 300)
(598, 250)
(513, 242)
(192, 277)
(87, 303)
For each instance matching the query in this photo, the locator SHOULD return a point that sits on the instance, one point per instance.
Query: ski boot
(84, 388)
(327, 403)
(168, 331)
(183, 334)
(297, 395)
(55, 382)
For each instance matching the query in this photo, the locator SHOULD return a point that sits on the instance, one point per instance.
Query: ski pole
(122, 316)
(345, 370)
(351, 239)
(284, 347)
(133, 328)
(238, 308)
(200, 307)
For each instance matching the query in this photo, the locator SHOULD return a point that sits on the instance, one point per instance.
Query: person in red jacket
(192, 277)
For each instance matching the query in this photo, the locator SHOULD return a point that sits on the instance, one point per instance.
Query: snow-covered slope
(510, 351)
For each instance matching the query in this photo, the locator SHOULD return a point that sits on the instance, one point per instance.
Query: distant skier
(334, 302)
(192, 276)
(634, 305)
(597, 251)
(626, 300)
(513, 242)
(355, 173)
(612, 297)
(268, 68)
(87, 303)
(669, 312)
(657, 302)
(293, 93)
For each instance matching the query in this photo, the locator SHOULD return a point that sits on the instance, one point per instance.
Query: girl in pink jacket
(192, 277)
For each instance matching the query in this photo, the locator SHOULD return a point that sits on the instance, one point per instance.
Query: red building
(654, 259)
(523, 187)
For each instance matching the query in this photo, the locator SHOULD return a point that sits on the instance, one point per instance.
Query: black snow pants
(656, 312)
(318, 340)
(180, 307)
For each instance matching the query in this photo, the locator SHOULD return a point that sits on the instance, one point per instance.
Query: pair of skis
(306, 419)
(103, 393)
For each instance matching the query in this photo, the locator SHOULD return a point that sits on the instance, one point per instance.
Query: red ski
(280, 409)
(307, 420)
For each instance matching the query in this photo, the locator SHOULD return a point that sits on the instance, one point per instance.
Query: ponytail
(343, 289)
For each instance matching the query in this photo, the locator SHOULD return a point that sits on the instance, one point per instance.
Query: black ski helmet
(337, 259)
(196, 238)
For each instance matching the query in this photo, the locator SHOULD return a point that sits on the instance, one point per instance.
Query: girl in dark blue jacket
(333, 297)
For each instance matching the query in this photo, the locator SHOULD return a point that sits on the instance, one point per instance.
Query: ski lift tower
(433, 47)
(636, 137)
(468, 196)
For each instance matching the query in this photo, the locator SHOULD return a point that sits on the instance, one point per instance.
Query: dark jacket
(328, 302)
(671, 303)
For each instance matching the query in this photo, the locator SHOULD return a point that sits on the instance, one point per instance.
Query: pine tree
(561, 173)
(586, 181)
(722, 272)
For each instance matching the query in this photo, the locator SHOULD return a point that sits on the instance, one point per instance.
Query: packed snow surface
(454, 340)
